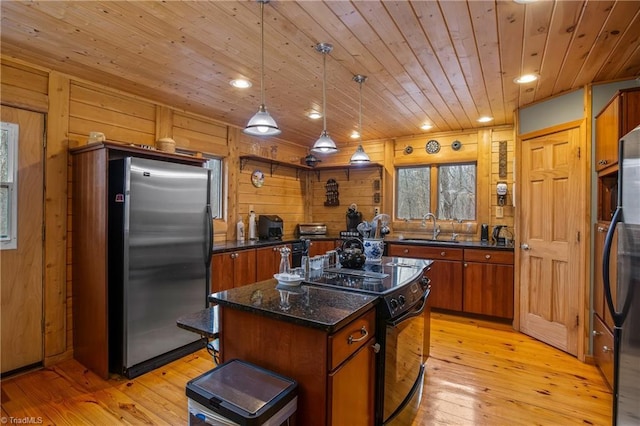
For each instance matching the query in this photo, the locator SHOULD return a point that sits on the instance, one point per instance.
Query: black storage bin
(238, 392)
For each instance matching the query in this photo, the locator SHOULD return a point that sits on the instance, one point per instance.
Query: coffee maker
(495, 236)
(354, 218)
(270, 227)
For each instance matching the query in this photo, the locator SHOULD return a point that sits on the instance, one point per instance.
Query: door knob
(525, 246)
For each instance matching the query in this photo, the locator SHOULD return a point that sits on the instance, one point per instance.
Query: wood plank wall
(76, 107)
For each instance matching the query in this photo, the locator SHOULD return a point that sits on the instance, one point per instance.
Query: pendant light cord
(262, 51)
(324, 91)
(360, 116)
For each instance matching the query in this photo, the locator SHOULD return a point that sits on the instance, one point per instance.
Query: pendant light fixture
(324, 144)
(262, 124)
(360, 157)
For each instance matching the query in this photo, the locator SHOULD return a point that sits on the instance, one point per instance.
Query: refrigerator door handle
(209, 249)
(617, 316)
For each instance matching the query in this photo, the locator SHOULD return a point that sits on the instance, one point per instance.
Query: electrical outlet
(499, 212)
(376, 211)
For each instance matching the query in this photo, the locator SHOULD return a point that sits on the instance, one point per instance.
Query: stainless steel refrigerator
(625, 307)
(160, 240)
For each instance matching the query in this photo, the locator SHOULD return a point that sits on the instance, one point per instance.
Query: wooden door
(552, 218)
(21, 272)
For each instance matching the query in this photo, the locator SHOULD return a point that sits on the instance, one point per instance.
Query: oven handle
(414, 313)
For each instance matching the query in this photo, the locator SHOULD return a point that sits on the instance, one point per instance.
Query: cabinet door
(244, 267)
(222, 276)
(607, 135)
(488, 289)
(351, 389)
(446, 285)
(630, 111)
(268, 261)
(232, 269)
(321, 247)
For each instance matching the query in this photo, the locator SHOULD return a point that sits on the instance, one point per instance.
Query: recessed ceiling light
(355, 134)
(426, 126)
(526, 78)
(484, 119)
(240, 83)
(314, 115)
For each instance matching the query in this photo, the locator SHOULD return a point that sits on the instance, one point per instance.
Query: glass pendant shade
(360, 157)
(324, 144)
(262, 124)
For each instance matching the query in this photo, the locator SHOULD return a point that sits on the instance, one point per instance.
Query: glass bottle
(285, 266)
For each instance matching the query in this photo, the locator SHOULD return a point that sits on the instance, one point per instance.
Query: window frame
(10, 241)
(434, 182)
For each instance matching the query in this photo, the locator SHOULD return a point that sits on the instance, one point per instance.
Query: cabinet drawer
(424, 252)
(488, 256)
(351, 338)
(603, 348)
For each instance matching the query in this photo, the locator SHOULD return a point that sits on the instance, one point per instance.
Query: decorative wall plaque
(502, 159)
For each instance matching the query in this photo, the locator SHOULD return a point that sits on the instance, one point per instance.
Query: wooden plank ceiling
(443, 62)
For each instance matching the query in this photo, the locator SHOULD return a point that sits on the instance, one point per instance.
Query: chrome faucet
(436, 229)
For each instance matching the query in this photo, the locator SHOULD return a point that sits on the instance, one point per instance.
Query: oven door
(404, 364)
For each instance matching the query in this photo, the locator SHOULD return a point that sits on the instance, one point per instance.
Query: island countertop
(307, 305)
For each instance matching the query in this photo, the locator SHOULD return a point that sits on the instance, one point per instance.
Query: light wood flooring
(479, 373)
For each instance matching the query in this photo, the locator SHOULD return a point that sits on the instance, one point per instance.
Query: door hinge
(577, 320)
(578, 237)
(578, 152)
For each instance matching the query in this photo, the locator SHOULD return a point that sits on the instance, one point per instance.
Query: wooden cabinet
(90, 166)
(488, 282)
(478, 281)
(616, 119)
(317, 247)
(445, 273)
(603, 348)
(233, 269)
(351, 381)
(336, 378)
(268, 261)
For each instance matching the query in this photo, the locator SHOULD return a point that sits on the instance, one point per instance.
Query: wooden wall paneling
(282, 194)
(232, 173)
(200, 135)
(483, 176)
(120, 117)
(23, 86)
(164, 122)
(56, 205)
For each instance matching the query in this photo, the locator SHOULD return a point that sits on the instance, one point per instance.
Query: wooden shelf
(274, 164)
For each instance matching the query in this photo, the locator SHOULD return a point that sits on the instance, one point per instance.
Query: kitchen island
(326, 339)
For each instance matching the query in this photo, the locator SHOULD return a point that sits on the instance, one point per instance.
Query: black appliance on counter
(402, 331)
(270, 227)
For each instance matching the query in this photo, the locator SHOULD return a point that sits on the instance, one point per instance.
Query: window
(9, 186)
(413, 192)
(455, 197)
(215, 165)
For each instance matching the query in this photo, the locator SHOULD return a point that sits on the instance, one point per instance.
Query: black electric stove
(398, 281)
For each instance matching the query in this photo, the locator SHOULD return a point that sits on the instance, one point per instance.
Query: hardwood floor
(479, 373)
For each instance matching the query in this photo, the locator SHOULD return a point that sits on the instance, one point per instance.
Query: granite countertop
(307, 305)
(450, 244)
(243, 245)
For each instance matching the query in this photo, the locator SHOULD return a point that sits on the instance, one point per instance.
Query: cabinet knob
(275, 249)
(234, 255)
(465, 264)
(443, 253)
(602, 229)
(406, 251)
(606, 349)
(487, 256)
(596, 333)
(603, 162)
